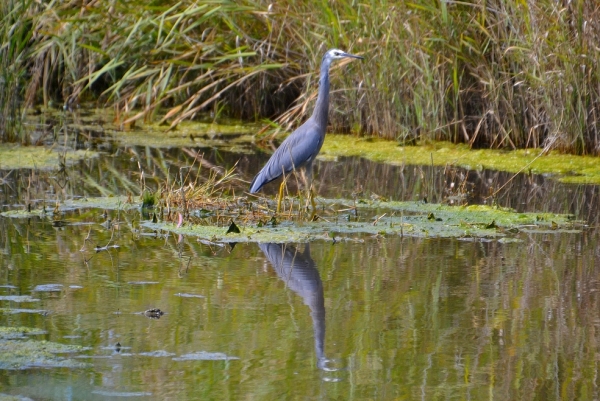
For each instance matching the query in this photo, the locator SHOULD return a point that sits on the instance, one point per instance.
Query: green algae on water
(234, 136)
(38, 157)
(415, 219)
(11, 333)
(189, 135)
(229, 134)
(105, 202)
(566, 168)
(17, 353)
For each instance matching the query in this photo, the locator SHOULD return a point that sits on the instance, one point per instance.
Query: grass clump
(489, 73)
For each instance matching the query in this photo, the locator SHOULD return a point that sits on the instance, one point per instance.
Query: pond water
(163, 316)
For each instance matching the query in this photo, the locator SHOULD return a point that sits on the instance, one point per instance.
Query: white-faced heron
(300, 149)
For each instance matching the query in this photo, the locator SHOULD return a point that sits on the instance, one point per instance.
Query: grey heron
(300, 149)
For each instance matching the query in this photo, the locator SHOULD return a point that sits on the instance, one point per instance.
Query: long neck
(321, 111)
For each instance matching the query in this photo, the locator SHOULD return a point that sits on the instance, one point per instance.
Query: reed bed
(491, 73)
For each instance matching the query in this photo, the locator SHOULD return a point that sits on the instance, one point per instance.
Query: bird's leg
(280, 196)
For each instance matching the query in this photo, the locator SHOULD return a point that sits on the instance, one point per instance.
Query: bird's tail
(257, 183)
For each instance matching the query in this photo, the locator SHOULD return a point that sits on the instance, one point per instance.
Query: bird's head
(336, 54)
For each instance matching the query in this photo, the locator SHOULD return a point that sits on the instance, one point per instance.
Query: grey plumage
(300, 149)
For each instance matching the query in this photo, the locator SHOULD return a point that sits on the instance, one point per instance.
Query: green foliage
(15, 33)
(149, 199)
(502, 74)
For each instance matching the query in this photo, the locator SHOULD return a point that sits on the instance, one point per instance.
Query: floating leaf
(233, 228)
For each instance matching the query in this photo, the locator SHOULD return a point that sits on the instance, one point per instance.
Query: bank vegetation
(490, 73)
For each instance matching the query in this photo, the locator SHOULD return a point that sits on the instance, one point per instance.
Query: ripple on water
(18, 298)
(48, 288)
(159, 353)
(107, 393)
(205, 356)
(15, 311)
(184, 295)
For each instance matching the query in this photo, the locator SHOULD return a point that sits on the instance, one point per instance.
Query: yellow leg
(280, 196)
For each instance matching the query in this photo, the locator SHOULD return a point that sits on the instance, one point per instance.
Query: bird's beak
(353, 56)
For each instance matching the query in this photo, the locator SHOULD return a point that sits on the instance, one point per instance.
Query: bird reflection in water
(298, 271)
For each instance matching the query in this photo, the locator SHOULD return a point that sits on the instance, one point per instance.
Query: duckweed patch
(194, 135)
(236, 137)
(11, 333)
(336, 220)
(50, 210)
(566, 168)
(17, 353)
(413, 219)
(230, 134)
(39, 157)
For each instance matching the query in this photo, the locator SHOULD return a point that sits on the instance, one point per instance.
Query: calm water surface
(376, 319)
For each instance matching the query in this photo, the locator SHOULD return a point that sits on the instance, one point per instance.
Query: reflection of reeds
(490, 73)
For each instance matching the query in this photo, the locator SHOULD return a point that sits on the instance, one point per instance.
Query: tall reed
(491, 73)
(15, 33)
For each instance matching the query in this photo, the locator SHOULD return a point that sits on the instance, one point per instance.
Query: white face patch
(336, 53)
